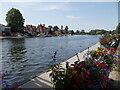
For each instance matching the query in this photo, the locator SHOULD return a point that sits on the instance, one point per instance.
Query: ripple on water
(27, 57)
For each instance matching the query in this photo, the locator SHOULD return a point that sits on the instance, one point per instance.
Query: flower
(85, 80)
(102, 65)
(92, 73)
(71, 69)
(103, 77)
(75, 74)
(112, 48)
(74, 86)
(87, 72)
(16, 84)
(80, 66)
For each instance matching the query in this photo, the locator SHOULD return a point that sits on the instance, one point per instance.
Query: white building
(4, 30)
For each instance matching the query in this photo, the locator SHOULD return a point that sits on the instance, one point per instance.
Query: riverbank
(12, 37)
(43, 80)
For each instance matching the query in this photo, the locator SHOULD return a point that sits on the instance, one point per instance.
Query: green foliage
(15, 20)
(57, 75)
(77, 32)
(50, 30)
(66, 29)
(82, 32)
(91, 73)
(117, 31)
(97, 31)
(55, 28)
(71, 32)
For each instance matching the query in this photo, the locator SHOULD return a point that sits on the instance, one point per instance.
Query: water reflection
(12, 63)
(24, 58)
(17, 50)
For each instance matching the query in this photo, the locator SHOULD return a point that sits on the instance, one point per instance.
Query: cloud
(72, 17)
(50, 7)
(54, 6)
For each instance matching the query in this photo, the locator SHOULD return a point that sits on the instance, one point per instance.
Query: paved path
(43, 80)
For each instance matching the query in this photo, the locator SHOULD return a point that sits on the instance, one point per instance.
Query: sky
(76, 15)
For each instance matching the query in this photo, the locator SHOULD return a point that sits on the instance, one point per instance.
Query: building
(4, 30)
(40, 29)
(58, 32)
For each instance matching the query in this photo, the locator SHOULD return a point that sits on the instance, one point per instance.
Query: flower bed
(91, 73)
(107, 40)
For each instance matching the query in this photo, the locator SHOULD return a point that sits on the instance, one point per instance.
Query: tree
(55, 28)
(117, 29)
(61, 27)
(77, 32)
(50, 30)
(66, 29)
(71, 32)
(15, 20)
(82, 32)
(97, 31)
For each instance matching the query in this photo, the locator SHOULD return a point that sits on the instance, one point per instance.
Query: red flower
(95, 57)
(84, 79)
(80, 66)
(74, 86)
(112, 48)
(75, 74)
(87, 73)
(102, 76)
(77, 81)
(70, 69)
(16, 84)
(102, 65)
(100, 53)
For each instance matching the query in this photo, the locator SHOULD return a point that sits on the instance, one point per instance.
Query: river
(24, 58)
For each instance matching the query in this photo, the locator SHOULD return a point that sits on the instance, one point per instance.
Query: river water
(27, 57)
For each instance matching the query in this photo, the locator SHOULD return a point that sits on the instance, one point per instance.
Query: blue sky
(77, 15)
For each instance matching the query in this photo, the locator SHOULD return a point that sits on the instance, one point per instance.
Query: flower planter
(91, 73)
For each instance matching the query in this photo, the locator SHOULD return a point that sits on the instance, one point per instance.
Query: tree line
(16, 21)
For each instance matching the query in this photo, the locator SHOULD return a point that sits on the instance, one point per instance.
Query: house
(46, 30)
(5, 30)
(30, 29)
(58, 32)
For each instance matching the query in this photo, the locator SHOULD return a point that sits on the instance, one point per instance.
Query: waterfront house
(5, 30)
(46, 30)
(40, 29)
(58, 32)
(30, 29)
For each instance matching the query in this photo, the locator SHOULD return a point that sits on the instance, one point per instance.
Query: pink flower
(86, 72)
(84, 79)
(102, 76)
